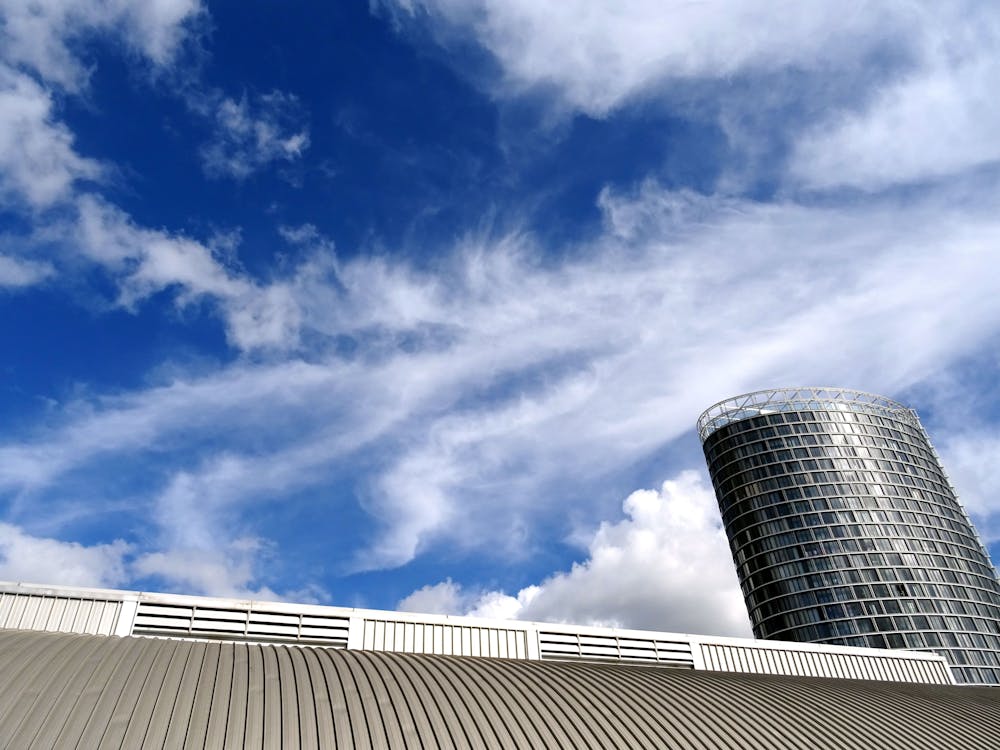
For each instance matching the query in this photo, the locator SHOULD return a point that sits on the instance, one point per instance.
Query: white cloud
(253, 133)
(939, 119)
(450, 598)
(158, 27)
(723, 297)
(232, 567)
(916, 80)
(229, 569)
(666, 566)
(263, 317)
(16, 272)
(38, 164)
(198, 545)
(162, 417)
(43, 35)
(146, 261)
(41, 50)
(497, 390)
(597, 55)
(32, 559)
(445, 598)
(971, 460)
(40, 168)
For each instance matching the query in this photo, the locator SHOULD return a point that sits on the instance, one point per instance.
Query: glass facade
(845, 530)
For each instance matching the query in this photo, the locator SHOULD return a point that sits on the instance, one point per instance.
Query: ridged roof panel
(62, 691)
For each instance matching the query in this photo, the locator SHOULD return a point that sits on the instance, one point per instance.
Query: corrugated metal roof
(79, 691)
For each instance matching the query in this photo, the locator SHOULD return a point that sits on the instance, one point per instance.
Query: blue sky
(415, 303)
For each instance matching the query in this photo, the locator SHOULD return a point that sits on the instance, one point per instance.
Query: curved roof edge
(794, 398)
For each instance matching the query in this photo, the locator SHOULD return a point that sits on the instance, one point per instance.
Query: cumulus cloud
(32, 559)
(254, 132)
(445, 598)
(450, 598)
(665, 566)
(44, 36)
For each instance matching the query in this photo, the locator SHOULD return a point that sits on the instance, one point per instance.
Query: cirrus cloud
(471, 390)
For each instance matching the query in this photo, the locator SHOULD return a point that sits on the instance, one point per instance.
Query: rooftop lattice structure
(803, 398)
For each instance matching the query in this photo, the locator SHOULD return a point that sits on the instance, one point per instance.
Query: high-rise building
(845, 529)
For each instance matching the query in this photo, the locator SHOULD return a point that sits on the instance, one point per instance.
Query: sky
(415, 303)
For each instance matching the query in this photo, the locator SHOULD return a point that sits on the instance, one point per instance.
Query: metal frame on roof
(107, 612)
(822, 398)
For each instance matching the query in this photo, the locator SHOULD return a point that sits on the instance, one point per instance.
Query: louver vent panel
(239, 624)
(757, 660)
(60, 614)
(570, 645)
(437, 638)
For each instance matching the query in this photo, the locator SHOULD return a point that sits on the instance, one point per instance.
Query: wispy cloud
(465, 402)
(936, 120)
(159, 417)
(595, 56)
(16, 272)
(888, 93)
(145, 261)
(252, 133)
(44, 37)
(478, 387)
(40, 167)
(38, 162)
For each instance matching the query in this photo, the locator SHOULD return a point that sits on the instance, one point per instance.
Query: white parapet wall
(123, 613)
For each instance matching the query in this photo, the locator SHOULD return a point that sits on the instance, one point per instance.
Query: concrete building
(845, 530)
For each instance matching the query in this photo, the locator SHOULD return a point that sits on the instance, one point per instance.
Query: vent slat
(239, 624)
(610, 647)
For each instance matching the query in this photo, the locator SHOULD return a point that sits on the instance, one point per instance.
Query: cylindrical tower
(845, 529)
